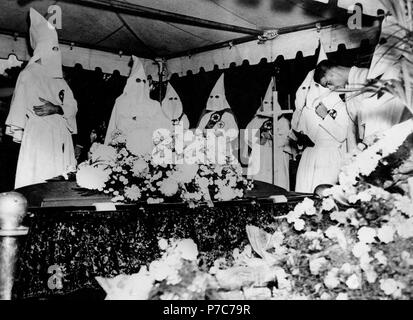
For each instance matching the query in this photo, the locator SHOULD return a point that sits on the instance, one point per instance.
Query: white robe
(321, 164)
(183, 122)
(228, 125)
(129, 117)
(356, 79)
(260, 162)
(46, 143)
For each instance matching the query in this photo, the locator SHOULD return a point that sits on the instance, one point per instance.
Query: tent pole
(274, 119)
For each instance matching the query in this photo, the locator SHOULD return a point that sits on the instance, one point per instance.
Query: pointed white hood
(217, 100)
(45, 43)
(270, 103)
(136, 91)
(172, 104)
(308, 89)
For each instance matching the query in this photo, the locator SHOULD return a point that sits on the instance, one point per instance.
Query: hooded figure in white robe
(46, 136)
(261, 165)
(302, 91)
(219, 119)
(134, 111)
(321, 163)
(173, 109)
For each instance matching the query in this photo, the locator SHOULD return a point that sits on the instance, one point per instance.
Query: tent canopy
(169, 29)
(141, 32)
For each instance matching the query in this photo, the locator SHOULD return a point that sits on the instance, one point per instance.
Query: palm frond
(398, 49)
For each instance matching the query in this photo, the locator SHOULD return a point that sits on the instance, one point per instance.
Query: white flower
(364, 196)
(162, 135)
(299, 224)
(90, 177)
(186, 172)
(225, 193)
(353, 198)
(133, 193)
(339, 216)
(308, 206)
(405, 205)
(283, 282)
(128, 287)
(360, 249)
(353, 282)
(325, 296)
(277, 238)
(292, 216)
(162, 244)
(203, 182)
(331, 280)
(317, 287)
(346, 268)
(139, 142)
(379, 255)
(392, 287)
(299, 209)
(368, 269)
(386, 234)
(160, 270)
(101, 152)
(311, 235)
(328, 204)
(405, 229)
(366, 235)
(169, 187)
(188, 249)
(139, 167)
(342, 296)
(317, 264)
(334, 232)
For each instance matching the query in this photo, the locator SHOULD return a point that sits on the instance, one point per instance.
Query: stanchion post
(13, 208)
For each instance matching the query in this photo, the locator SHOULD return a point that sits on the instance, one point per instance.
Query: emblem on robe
(62, 95)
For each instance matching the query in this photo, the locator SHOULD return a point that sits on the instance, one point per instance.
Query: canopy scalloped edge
(286, 45)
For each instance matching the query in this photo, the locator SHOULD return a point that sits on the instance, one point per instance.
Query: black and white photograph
(206, 150)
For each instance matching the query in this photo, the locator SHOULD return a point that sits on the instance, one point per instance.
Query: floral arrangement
(354, 243)
(175, 276)
(131, 170)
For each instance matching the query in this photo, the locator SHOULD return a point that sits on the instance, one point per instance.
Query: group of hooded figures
(43, 111)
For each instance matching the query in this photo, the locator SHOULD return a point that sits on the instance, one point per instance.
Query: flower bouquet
(132, 171)
(357, 241)
(175, 276)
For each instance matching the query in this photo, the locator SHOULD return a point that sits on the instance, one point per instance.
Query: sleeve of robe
(204, 120)
(185, 122)
(338, 127)
(295, 120)
(111, 125)
(24, 97)
(70, 109)
(231, 126)
(252, 137)
(283, 134)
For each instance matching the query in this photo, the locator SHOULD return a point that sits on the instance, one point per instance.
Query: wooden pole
(274, 119)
